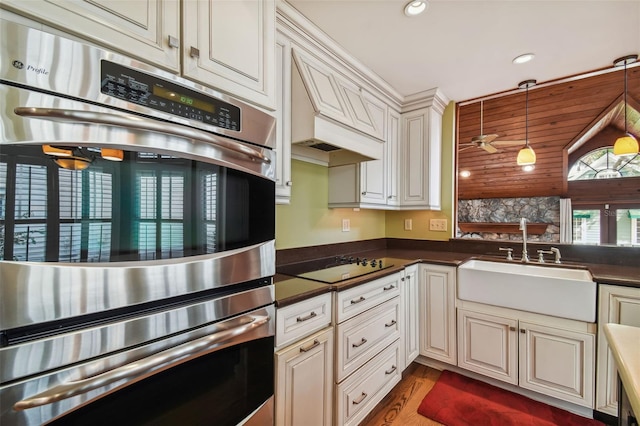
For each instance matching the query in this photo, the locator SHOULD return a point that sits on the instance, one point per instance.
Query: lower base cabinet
(554, 361)
(358, 394)
(304, 381)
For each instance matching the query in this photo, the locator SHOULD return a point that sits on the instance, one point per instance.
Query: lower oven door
(223, 376)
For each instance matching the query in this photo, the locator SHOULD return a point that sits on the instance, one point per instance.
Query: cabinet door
(421, 159)
(488, 345)
(410, 314)
(304, 382)
(372, 182)
(283, 116)
(141, 28)
(619, 305)
(392, 158)
(557, 363)
(437, 312)
(230, 45)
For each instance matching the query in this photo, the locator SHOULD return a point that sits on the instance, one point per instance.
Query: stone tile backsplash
(500, 210)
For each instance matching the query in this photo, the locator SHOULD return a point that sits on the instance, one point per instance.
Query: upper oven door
(179, 211)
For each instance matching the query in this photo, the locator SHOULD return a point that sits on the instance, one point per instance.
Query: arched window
(602, 163)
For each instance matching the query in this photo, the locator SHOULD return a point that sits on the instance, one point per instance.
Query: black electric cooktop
(331, 271)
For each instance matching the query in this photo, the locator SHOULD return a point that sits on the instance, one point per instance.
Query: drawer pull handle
(362, 342)
(391, 324)
(315, 343)
(308, 317)
(361, 299)
(391, 370)
(391, 287)
(359, 400)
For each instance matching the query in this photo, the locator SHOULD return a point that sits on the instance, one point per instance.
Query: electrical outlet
(346, 225)
(408, 224)
(437, 225)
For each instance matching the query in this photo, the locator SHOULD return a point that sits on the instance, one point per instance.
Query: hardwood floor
(400, 406)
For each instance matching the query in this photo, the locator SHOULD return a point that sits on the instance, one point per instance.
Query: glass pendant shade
(526, 156)
(73, 163)
(112, 154)
(56, 152)
(625, 145)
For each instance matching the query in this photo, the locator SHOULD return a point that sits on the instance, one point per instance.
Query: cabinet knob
(523, 331)
(194, 52)
(512, 329)
(364, 192)
(289, 183)
(174, 42)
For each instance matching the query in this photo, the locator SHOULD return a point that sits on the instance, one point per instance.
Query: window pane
(586, 226)
(29, 243)
(626, 228)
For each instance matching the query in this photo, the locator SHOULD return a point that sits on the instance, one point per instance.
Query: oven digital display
(153, 92)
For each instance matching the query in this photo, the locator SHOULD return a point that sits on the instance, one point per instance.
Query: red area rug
(456, 400)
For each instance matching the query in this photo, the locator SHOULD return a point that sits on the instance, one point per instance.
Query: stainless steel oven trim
(48, 354)
(164, 138)
(139, 123)
(17, 391)
(36, 292)
(60, 65)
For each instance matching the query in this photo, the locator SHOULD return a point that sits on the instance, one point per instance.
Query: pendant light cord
(526, 117)
(625, 97)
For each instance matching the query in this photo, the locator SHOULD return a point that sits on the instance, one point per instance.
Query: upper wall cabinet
(149, 29)
(231, 45)
(340, 99)
(225, 45)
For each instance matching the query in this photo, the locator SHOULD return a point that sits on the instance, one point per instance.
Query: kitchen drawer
(358, 299)
(301, 319)
(361, 338)
(359, 394)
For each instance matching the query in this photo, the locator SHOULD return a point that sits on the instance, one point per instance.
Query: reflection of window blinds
(93, 188)
(172, 214)
(30, 213)
(210, 197)
(3, 205)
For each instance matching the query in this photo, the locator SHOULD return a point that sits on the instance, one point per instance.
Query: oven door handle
(138, 123)
(139, 369)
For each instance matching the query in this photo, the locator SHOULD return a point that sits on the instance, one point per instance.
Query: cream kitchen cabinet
(421, 158)
(553, 358)
(370, 184)
(304, 365)
(618, 305)
(230, 45)
(437, 307)
(283, 117)
(304, 382)
(409, 289)
(225, 45)
(149, 30)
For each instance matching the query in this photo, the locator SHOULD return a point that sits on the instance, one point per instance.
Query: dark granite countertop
(291, 290)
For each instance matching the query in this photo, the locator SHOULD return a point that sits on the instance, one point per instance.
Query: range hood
(321, 122)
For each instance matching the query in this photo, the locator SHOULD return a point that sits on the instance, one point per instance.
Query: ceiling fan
(487, 142)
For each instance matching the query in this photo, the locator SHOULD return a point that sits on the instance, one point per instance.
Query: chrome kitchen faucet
(523, 228)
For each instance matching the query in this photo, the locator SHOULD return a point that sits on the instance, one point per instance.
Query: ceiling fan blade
(489, 148)
(465, 148)
(483, 138)
(507, 143)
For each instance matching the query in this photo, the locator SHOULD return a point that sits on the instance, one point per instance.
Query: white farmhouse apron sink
(549, 290)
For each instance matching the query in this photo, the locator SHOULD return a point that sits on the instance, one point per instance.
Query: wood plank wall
(558, 114)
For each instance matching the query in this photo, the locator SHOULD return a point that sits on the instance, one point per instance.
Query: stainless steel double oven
(137, 226)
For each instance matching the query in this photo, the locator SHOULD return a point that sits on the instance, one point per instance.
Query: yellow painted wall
(307, 221)
(420, 218)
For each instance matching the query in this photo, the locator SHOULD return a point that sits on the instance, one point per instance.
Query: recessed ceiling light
(465, 173)
(526, 57)
(415, 7)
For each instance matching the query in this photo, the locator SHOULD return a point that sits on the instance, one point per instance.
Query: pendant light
(526, 156)
(627, 144)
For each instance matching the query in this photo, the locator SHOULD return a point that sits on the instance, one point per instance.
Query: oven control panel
(153, 92)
